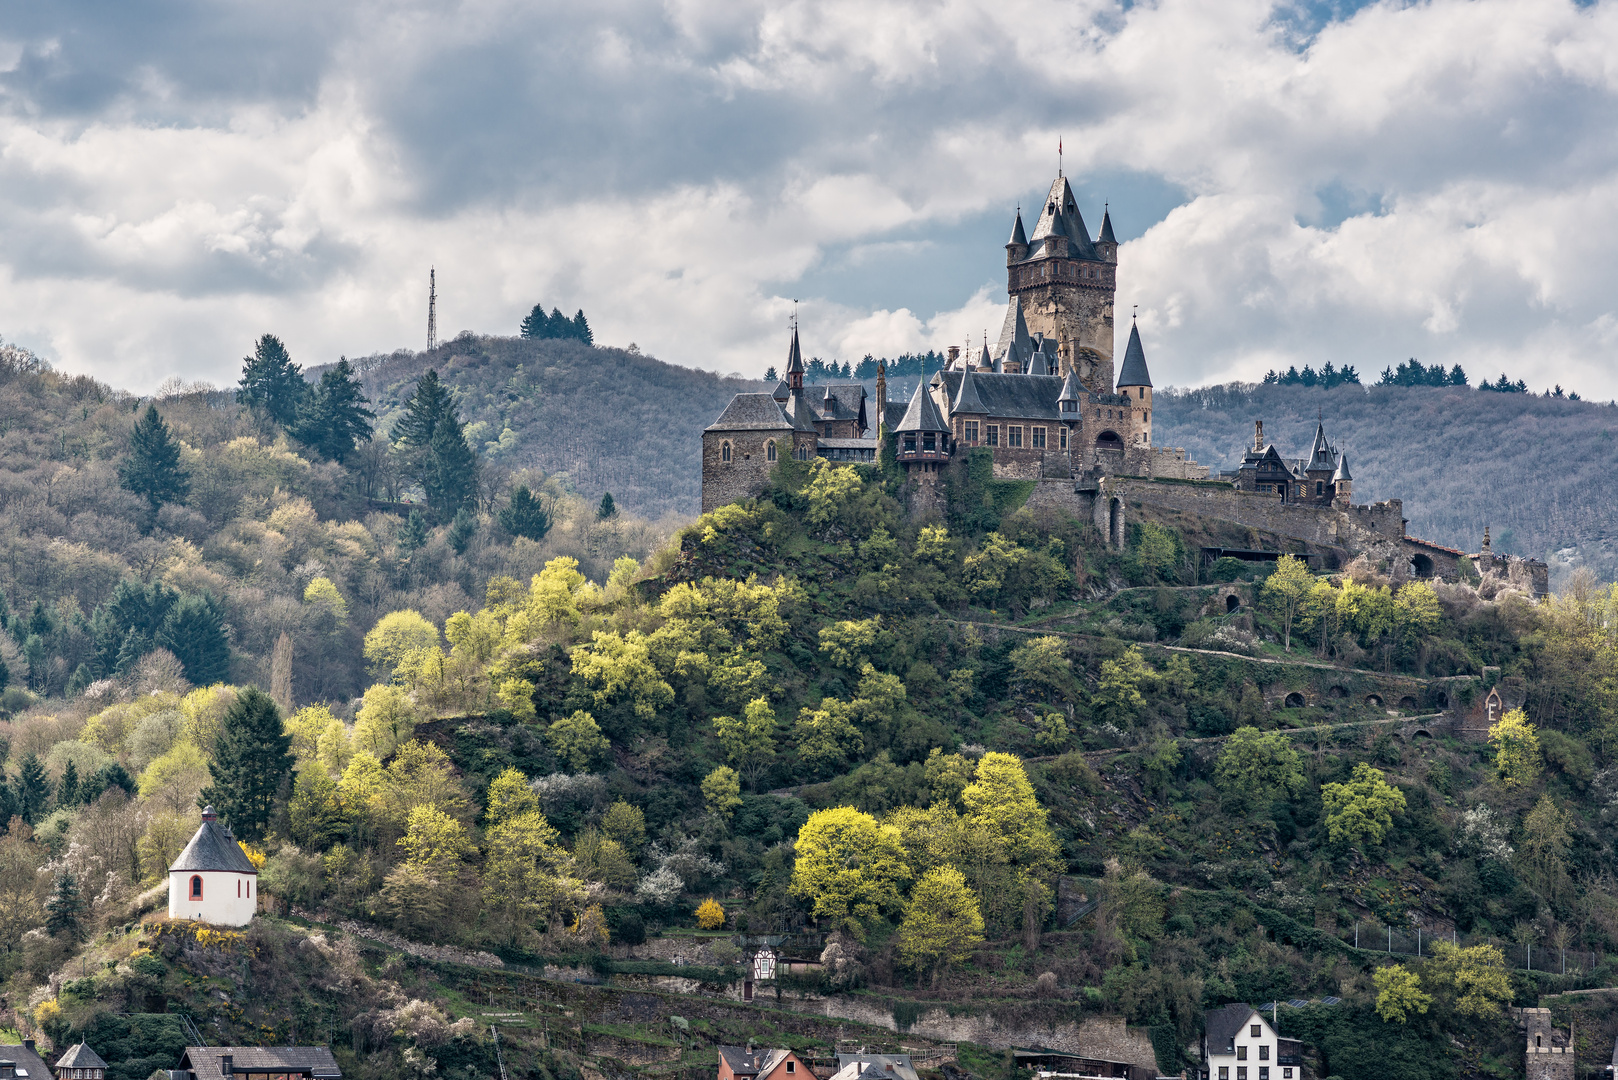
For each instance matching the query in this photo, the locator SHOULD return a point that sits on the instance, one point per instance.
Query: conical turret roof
(1061, 217)
(1342, 470)
(80, 1056)
(922, 414)
(794, 354)
(985, 361)
(1134, 372)
(1017, 234)
(213, 848)
(1106, 236)
(966, 398)
(1071, 389)
(1320, 456)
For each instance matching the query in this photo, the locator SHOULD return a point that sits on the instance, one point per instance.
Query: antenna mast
(432, 309)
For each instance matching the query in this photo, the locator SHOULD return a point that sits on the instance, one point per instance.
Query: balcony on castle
(925, 447)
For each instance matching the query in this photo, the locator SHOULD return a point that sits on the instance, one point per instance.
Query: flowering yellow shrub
(710, 915)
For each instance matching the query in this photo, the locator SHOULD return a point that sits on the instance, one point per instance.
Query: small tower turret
(1343, 487)
(1017, 246)
(1135, 383)
(1107, 243)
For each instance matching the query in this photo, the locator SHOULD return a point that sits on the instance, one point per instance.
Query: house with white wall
(213, 880)
(1239, 1043)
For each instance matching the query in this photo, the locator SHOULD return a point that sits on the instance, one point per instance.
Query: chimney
(1258, 436)
(954, 355)
(30, 1044)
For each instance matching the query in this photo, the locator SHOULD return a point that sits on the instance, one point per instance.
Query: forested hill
(612, 420)
(1538, 470)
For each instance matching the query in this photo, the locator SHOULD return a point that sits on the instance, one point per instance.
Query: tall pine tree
(525, 515)
(64, 911)
(153, 468)
(333, 419)
(434, 447)
(272, 385)
(34, 789)
(252, 759)
(67, 792)
(194, 631)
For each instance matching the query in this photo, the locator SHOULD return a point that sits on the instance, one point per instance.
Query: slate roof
(312, 1060)
(799, 413)
(985, 361)
(1060, 217)
(1017, 397)
(1342, 469)
(794, 354)
(883, 1066)
(843, 401)
(80, 1056)
(1223, 1024)
(781, 391)
(1071, 387)
(894, 413)
(26, 1061)
(966, 398)
(751, 412)
(922, 414)
(213, 848)
(1106, 236)
(846, 444)
(1321, 456)
(1017, 234)
(1014, 334)
(747, 1062)
(1134, 372)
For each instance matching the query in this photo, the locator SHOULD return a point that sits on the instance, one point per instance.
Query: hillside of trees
(931, 741)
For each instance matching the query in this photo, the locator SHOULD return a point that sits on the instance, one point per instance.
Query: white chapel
(213, 880)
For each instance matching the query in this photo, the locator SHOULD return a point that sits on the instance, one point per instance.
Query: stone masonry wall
(747, 472)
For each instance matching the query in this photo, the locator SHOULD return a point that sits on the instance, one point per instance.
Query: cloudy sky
(1292, 182)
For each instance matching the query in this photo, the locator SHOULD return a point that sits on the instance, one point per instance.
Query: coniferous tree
(462, 529)
(450, 478)
(525, 515)
(536, 324)
(429, 404)
(332, 418)
(133, 607)
(67, 792)
(414, 533)
(272, 385)
(607, 507)
(114, 775)
(581, 329)
(153, 468)
(64, 911)
(34, 789)
(194, 631)
(252, 758)
(769, 373)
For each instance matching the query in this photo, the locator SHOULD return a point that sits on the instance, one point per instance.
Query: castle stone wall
(747, 473)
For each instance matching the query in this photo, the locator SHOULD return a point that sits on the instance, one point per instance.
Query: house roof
(1433, 547)
(80, 1056)
(781, 390)
(922, 414)
(843, 401)
(799, 413)
(1071, 387)
(204, 1061)
(746, 1061)
(1018, 397)
(794, 354)
(966, 398)
(751, 412)
(1014, 336)
(1224, 1024)
(26, 1061)
(875, 1067)
(1134, 372)
(213, 848)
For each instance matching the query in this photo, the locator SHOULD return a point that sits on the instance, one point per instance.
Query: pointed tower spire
(1134, 372)
(966, 398)
(1106, 236)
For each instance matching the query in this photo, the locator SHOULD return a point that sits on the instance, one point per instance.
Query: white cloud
(1433, 180)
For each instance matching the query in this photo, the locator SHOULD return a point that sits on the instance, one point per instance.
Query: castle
(1047, 405)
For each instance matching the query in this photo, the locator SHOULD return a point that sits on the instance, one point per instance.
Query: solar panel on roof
(1297, 1003)
(1267, 1006)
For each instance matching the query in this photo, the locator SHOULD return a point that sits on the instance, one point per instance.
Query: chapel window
(769, 451)
(196, 886)
(724, 452)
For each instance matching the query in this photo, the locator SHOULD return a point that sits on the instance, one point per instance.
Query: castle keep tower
(1061, 285)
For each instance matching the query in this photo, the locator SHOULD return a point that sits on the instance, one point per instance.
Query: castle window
(910, 444)
(1064, 438)
(724, 451)
(994, 435)
(971, 427)
(1039, 438)
(196, 886)
(1320, 487)
(769, 451)
(929, 442)
(1014, 435)
(1098, 414)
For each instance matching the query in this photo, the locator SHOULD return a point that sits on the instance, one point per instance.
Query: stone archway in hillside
(1233, 604)
(1338, 692)
(1421, 566)
(1294, 700)
(1373, 700)
(1407, 704)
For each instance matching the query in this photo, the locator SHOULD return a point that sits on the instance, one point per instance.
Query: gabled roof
(745, 1061)
(966, 397)
(1015, 397)
(1017, 234)
(213, 848)
(751, 412)
(922, 413)
(1071, 387)
(843, 401)
(1342, 469)
(781, 391)
(313, 1060)
(26, 1061)
(800, 414)
(1060, 217)
(1013, 335)
(1224, 1024)
(1134, 372)
(1038, 363)
(895, 412)
(1106, 236)
(80, 1056)
(876, 1066)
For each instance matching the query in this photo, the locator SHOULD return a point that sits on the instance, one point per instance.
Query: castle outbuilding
(213, 879)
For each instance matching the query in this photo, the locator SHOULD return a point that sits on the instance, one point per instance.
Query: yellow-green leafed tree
(847, 643)
(1473, 981)
(419, 894)
(1286, 590)
(601, 858)
(1042, 666)
(722, 791)
(173, 780)
(1118, 698)
(435, 842)
(322, 595)
(942, 923)
(830, 489)
(1255, 767)
(577, 741)
(1362, 809)
(509, 797)
(528, 877)
(849, 866)
(306, 726)
(1517, 759)
(827, 736)
(618, 670)
(385, 721)
(361, 789)
(1009, 854)
(334, 747)
(749, 742)
(627, 825)
(395, 636)
(551, 594)
(204, 710)
(1399, 994)
(517, 695)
